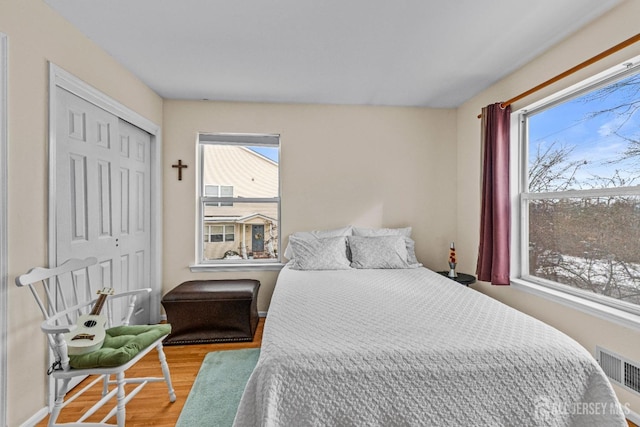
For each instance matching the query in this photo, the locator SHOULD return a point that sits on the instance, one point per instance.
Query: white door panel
(103, 196)
(135, 215)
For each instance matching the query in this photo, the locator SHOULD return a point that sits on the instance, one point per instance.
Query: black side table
(465, 279)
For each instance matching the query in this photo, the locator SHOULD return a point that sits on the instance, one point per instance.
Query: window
(218, 233)
(578, 204)
(219, 191)
(239, 199)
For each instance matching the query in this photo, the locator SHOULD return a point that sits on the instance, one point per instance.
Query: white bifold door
(103, 196)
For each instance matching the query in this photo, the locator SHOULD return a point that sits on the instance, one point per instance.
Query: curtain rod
(570, 71)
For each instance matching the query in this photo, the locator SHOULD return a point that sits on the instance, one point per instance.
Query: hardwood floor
(151, 407)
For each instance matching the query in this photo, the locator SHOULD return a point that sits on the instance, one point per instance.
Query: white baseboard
(36, 418)
(634, 417)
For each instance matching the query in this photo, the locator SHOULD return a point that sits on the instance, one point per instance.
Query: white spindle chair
(64, 289)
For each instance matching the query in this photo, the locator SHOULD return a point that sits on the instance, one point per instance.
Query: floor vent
(620, 370)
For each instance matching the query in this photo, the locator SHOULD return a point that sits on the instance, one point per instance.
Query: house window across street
(219, 233)
(219, 191)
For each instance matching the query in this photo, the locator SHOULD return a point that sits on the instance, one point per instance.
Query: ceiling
(366, 52)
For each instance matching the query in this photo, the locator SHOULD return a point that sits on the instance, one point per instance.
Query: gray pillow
(378, 251)
(411, 252)
(316, 234)
(360, 231)
(329, 253)
(405, 232)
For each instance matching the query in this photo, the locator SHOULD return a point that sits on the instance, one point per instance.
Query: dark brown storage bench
(208, 311)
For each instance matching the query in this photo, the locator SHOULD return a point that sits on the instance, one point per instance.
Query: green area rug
(216, 392)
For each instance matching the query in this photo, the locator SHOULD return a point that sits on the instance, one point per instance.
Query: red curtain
(493, 252)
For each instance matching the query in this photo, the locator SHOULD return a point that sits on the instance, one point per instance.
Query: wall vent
(620, 370)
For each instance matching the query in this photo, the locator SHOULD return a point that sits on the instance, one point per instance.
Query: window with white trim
(239, 199)
(219, 191)
(219, 233)
(577, 208)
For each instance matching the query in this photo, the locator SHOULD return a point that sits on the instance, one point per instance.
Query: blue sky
(572, 124)
(268, 152)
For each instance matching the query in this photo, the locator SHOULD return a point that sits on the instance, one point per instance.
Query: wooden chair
(67, 295)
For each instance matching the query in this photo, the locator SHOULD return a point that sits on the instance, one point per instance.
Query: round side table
(465, 279)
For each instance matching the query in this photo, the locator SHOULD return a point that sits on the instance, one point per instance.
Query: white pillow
(411, 252)
(359, 231)
(328, 253)
(378, 251)
(406, 232)
(317, 234)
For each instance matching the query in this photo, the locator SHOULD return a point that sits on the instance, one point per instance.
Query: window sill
(594, 308)
(200, 268)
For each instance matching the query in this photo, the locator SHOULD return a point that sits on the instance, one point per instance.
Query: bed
(408, 347)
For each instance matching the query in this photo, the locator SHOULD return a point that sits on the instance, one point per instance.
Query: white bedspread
(412, 348)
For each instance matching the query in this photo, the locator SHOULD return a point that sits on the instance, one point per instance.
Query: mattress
(409, 347)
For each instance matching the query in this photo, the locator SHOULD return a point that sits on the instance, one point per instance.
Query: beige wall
(340, 165)
(37, 35)
(616, 26)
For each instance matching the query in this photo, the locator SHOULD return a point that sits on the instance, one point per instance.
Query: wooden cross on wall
(179, 166)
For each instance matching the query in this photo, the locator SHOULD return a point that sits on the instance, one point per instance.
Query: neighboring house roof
(239, 219)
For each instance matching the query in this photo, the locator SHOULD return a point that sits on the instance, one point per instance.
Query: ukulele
(89, 333)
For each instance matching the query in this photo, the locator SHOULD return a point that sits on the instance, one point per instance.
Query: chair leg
(165, 372)
(121, 413)
(57, 405)
(105, 384)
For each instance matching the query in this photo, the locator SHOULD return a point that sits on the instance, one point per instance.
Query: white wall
(616, 26)
(340, 165)
(37, 35)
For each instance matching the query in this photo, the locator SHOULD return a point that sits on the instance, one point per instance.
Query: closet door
(103, 196)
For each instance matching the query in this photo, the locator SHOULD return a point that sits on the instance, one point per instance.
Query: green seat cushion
(121, 344)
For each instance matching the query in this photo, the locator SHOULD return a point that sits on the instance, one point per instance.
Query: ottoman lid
(212, 290)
